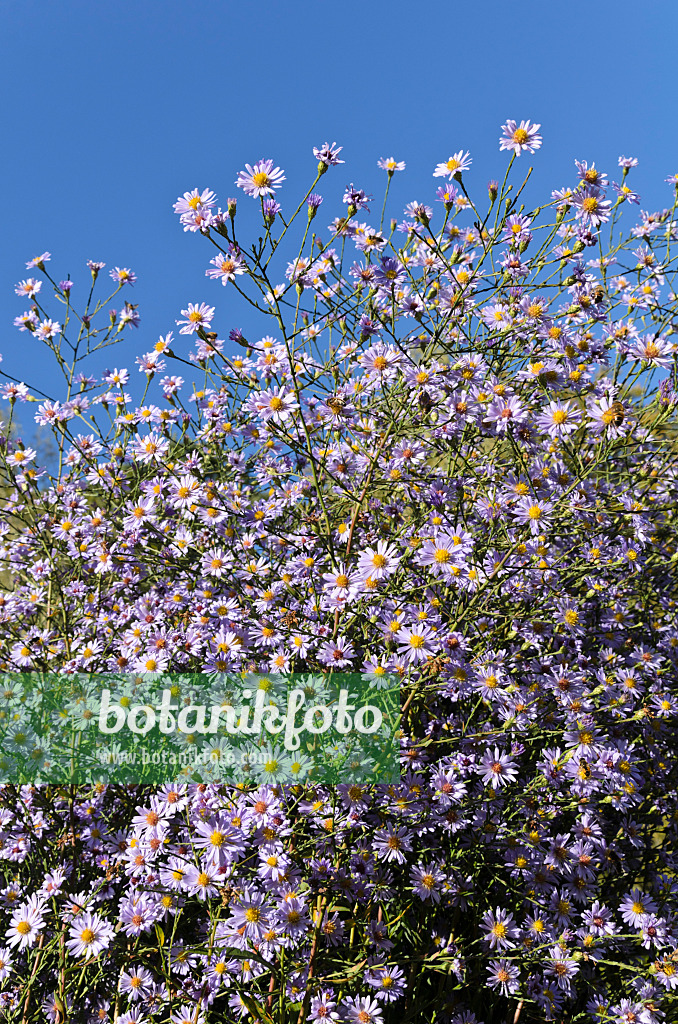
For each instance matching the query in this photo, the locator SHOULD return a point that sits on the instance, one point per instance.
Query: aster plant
(448, 456)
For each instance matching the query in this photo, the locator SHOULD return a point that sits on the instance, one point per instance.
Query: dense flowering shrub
(452, 459)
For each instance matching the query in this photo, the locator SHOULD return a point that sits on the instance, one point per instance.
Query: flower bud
(314, 202)
(493, 190)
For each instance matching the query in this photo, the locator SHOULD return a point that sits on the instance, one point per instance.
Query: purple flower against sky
(357, 198)
(497, 316)
(328, 155)
(260, 180)
(504, 412)
(193, 201)
(389, 273)
(123, 275)
(390, 165)
(47, 329)
(28, 288)
(227, 266)
(457, 163)
(625, 193)
(657, 351)
(607, 416)
(519, 137)
(591, 206)
(196, 316)
(321, 501)
(516, 229)
(38, 260)
(277, 404)
(591, 175)
(446, 193)
(271, 210)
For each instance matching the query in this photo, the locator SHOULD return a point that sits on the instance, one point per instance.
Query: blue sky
(111, 110)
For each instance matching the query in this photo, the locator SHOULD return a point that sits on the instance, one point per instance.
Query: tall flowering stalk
(449, 456)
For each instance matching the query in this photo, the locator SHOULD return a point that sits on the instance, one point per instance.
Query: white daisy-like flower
(26, 924)
(89, 935)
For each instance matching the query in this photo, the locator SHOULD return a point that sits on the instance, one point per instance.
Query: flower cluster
(450, 460)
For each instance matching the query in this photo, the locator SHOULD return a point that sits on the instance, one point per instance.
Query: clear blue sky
(112, 109)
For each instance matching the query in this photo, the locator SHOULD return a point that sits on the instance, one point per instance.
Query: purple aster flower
(416, 644)
(261, 179)
(392, 843)
(390, 164)
(38, 261)
(591, 175)
(324, 1007)
(533, 511)
(461, 161)
(427, 881)
(123, 275)
(499, 928)
(591, 206)
(271, 210)
(561, 968)
(362, 1010)
(89, 935)
(196, 316)
(356, 198)
(626, 194)
(390, 273)
(503, 975)
(520, 136)
(635, 906)
(249, 915)
(497, 769)
(388, 982)
(313, 202)
(328, 155)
